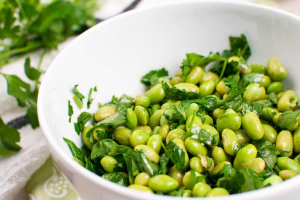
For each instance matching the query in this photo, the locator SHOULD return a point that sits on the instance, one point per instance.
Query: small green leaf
(152, 77)
(70, 110)
(31, 73)
(9, 137)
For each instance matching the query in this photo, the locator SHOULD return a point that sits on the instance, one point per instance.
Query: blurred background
(32, 33)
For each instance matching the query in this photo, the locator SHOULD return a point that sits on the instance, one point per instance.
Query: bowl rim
(101, 182)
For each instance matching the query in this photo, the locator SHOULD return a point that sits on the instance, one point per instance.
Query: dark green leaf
(288, 119)
(70, 110)
(176, 154)
(204, 136)
(77, 93)
(82, 119)
(31, 73)
(124, 103)
(113, 121)
(9, 137)
(89, 165)
(250, 78)
(90, 99)
(76, 152)
(163, 164)
(239, 46)
(152, 77)
(116, 177)
(273, 97)
(267, 151)
(176, 94)
(180, 191)
(103, 148)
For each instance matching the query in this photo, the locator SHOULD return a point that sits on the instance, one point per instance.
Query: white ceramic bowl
(116, 53)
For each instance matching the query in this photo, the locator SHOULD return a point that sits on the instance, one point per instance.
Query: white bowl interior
(115, 54)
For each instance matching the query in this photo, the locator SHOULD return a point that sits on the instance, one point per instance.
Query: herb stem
(77, 102)
(28, 48)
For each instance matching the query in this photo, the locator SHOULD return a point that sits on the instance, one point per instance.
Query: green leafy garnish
(116, 177)
(70, 110)
(90, 100)
(250, 78)
(31, 73)
(239, 46)
(76, 152)
(204, 136)
(288, 119)
(176, 154)
(273, 97)
(177, 94)
(82, 119)
(78, 97)
(9, 137)
(152, 77)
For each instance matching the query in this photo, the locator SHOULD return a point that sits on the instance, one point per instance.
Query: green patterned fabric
(48, 183)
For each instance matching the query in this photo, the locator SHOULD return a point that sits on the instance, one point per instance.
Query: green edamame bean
(145, 128)
(254, 92)
(187, 193)
(252, 125)
(209, 76)
(260, 69)
(156, 94)
(141, 188)
(297, 159)
(154, 108)
(156, 130)
(163, 132)
(142, 115)
(195, 75)
(189, 182)
(279, 95)
(258, 165)
(162, 183)
(142, 179)
(196, 165)
(288, 101)
(167, 117)
(276, 71)
(207, 88)
(148, 152)
(201, 190)
(177, 175)
(245, 157)
(180, 144)
(176, 133)
(139, 137)
(272, 180)
(217, 112)
(270, 134)
(284, 143)
(188, 87)
(287, 174)
(190, 123)
(108, 163)
(131, 119)
(143, 101)
(195, 147)
(216, 192)
(104, 112)
(167, 105)
(175, 80)
(206, 119)
(155, 142)
(172, 193)
(155, 118)
(222, 88)
(229, 120)
(265, 81)
(287, 163)
(122, 135)
(85, 139)
(219, 155)
(242, 136)
(207, 163)
(219, 167)
(296, 139)
(230, 142)
(192, 108)
(275, 87)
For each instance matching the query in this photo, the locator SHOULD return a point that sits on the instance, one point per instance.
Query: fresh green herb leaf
(163, 164)
(76, 152)
(176, 94)
(113, 121)
(267, 151)
(89, 165)
(176, 154)
(180, 191)
(31, 73)
(90, 100)
(152, 77)
(124, 103)
(82, 119)
(9, 137)
(255, 106)
(77, 93)
(204, 136)
(70, 110)
(85, 151)
(76, 128)
(116, 177)
(103, 148)
(288, 119)
(250, 78)
(21, 91)
(273, 97)
(239, 46)
(95, 89)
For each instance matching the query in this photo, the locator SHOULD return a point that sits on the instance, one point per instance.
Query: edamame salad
(207, 131)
